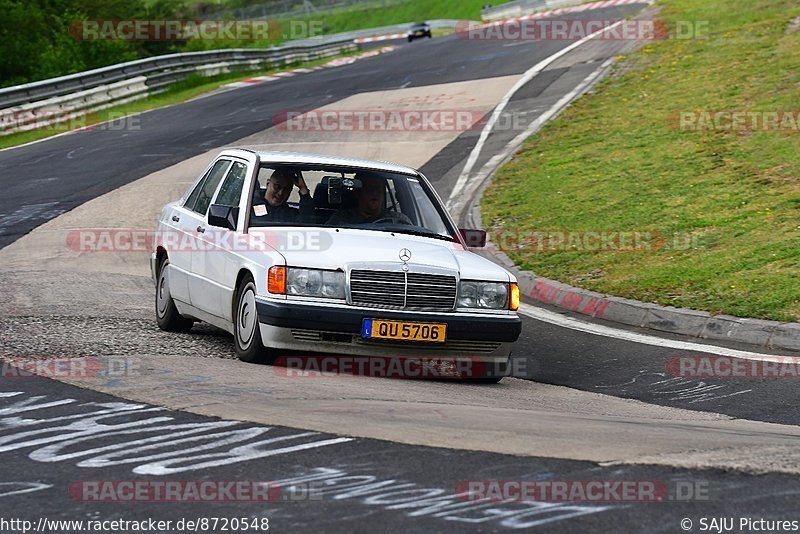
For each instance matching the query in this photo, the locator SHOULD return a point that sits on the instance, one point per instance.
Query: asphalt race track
(349, 453)
(353, 485)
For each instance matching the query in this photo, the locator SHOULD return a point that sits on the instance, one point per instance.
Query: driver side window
(231, 191)
(200, 197)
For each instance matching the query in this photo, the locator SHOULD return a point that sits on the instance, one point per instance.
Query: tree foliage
(36, 42)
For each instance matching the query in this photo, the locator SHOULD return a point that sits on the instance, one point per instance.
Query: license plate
(403, 330)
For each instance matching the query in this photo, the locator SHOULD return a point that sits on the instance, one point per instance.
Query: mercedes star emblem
(405, 255)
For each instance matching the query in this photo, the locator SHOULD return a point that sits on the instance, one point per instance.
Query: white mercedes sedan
(305, 252)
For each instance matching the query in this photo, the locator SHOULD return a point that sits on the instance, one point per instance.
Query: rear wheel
(167, 314)
(246, 331)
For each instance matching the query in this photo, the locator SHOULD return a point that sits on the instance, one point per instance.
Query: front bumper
(301, 327)
(504, 329)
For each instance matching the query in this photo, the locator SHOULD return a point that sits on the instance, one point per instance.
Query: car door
(193, 220)
(215, 259)
(182, 225)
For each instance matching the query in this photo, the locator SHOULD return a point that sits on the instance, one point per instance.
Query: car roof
(302, 158)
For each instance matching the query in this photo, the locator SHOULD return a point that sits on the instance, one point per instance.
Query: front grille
(378, 288)
(400, 290)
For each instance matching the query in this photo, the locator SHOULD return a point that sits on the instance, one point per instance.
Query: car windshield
(347, 198)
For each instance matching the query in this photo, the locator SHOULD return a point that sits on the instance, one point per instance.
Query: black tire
(246, 333)
(486, 380)
(410, 39)
(167, 315)
(492, 374)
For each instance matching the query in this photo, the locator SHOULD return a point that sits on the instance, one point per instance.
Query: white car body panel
(203, 280)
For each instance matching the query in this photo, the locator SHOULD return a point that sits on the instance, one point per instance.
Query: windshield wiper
(424, 232)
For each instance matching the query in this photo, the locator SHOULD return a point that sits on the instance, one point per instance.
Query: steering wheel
(393, 220)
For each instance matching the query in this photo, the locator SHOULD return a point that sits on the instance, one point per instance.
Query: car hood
(343, 248)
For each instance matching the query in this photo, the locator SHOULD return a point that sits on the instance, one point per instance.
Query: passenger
(272, 208)
(371, 205)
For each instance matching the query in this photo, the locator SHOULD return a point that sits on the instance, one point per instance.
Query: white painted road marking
(526, 77)
(159, 454)
(563, 321)
(18, 488)
(416, 500)
(496, 160)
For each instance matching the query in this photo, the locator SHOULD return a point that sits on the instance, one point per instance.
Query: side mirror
(223, 216)
(474, 238)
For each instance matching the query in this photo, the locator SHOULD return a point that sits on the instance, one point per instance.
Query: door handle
(201, 229)
(175, 218)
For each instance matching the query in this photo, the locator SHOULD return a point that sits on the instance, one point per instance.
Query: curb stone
(699, 324)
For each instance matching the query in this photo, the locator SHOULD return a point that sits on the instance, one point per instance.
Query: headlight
(490, 295)
(315, 283)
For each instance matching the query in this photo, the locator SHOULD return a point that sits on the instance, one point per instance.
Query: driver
(371, 205)
(274, 209)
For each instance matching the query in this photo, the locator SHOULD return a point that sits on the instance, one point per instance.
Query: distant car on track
(370, 264)
(419, 30)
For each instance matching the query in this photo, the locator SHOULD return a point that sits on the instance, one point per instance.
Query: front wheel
(492, 373)
(167, 314)
(246, 331)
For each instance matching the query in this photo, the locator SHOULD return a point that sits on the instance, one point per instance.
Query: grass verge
(726, 203)
(414, 11)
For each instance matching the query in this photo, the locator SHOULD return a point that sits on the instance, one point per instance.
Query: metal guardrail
(272, 57)
(305, 50)
(60, 98)
(523, 7)
(46, 102)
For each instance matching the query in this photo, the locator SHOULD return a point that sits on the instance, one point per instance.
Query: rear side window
(231, 190)
(200, 197)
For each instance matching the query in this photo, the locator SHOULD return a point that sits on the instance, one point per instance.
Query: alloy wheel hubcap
(163, 293)
(247, 321)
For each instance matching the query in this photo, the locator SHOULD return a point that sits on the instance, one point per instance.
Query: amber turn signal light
(276, 280)
(514, 300)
